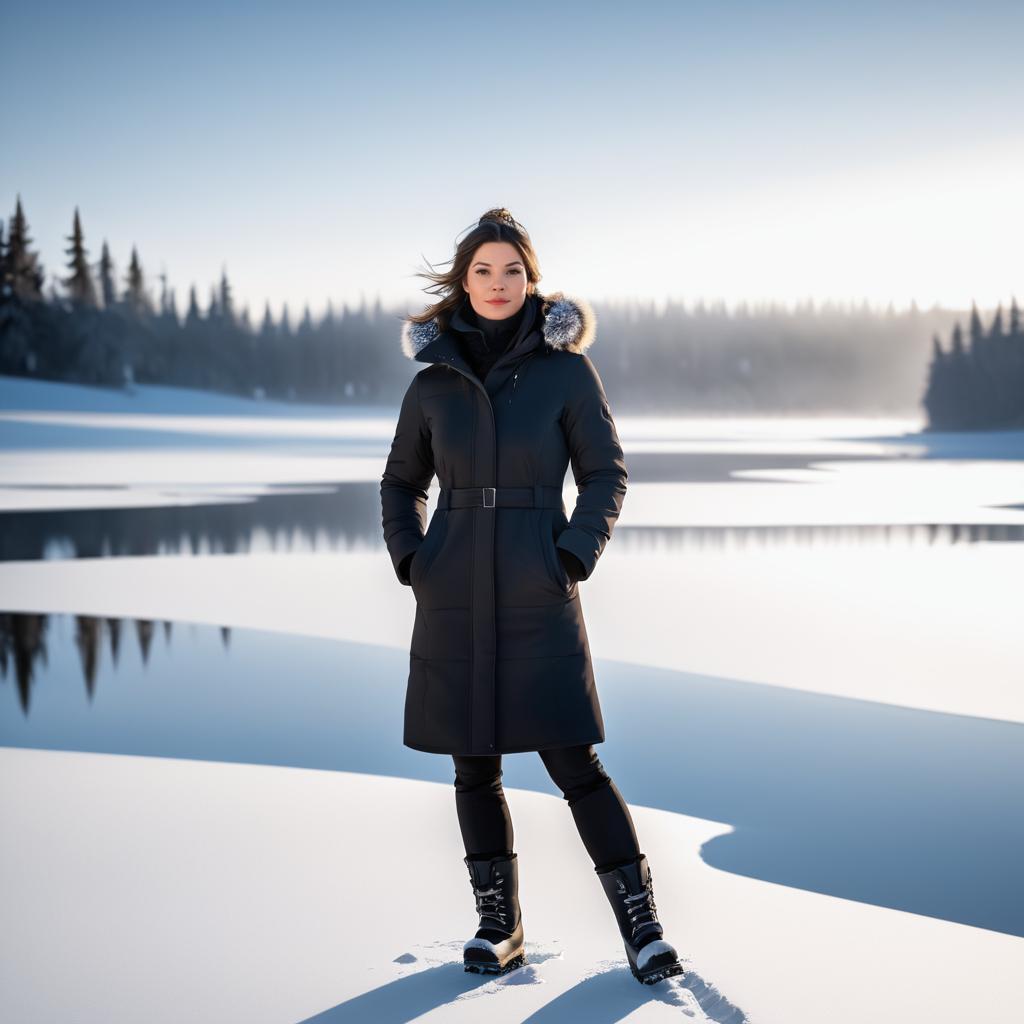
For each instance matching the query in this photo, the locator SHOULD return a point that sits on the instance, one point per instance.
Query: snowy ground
(171, 890)
(146, 888)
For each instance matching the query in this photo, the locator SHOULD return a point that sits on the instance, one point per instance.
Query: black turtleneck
(483, 347)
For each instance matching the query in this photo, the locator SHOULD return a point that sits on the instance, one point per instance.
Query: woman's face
(496, 281)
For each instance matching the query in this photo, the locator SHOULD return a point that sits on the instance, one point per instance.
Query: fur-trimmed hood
(569, 323)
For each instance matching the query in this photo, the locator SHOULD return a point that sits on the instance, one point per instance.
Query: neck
(497, 329)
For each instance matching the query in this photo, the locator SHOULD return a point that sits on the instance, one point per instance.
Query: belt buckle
(489, 504)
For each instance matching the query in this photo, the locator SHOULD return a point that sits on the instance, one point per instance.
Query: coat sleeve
(403, 487)
(597, 464)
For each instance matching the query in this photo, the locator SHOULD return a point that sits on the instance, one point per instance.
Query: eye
(481, 270)
(515, 270)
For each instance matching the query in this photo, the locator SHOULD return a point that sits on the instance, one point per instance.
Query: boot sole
(657, 973)
(517, 959)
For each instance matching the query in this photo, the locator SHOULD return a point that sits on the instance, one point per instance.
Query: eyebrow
(486, 264)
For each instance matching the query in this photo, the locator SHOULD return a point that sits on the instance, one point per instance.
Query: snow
(26, 394)
(143, 888)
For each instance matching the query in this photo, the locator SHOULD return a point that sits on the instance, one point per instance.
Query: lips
(497, 302)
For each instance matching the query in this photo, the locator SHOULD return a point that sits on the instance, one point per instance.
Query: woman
(499, 659)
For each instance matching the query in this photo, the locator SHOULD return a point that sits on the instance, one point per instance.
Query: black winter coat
(499, 660)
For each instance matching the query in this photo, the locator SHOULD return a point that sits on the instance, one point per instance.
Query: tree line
(90, 326)
(979, 384)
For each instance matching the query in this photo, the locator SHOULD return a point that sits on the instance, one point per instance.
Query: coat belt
(538, 496)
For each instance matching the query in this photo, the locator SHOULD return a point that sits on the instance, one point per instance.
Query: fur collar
(569, 323)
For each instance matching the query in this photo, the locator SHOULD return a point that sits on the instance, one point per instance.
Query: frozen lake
(808, 629)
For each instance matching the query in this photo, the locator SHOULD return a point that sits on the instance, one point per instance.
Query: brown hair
(496, 225)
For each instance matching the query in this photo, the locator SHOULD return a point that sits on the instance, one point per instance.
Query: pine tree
(172, 307)
(996, 329)
(4, 286)
(227, 302)
(25, 276)
(284, 355)
(136, 297)
(213, 309)
(306, 373)
(162, 304)
(79, 283)
(977, 332)
(108, 290)
(192, 316)
(936, 398)
(961, 384)
(267, 328)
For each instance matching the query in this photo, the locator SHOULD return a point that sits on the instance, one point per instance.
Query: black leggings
(601, 815)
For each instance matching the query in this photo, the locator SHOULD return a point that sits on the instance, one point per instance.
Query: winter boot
(497, 946)
(629, 890)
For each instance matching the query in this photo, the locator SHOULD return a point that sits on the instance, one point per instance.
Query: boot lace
(641, 907)
(491, 902)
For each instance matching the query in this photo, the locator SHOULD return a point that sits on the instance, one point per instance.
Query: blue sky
(724, 151)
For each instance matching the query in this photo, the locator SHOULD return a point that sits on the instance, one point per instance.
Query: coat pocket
(550, 527)
(433, 541)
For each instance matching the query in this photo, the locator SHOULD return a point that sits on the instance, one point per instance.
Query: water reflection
(25, 646)
(79, 682)
(712, 537)
(914, 810)
(346, 516)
